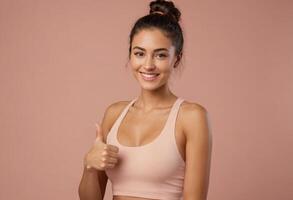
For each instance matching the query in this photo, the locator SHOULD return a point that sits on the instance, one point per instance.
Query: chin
(150, 87)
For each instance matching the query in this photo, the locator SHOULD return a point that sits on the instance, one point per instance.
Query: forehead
(151, 39)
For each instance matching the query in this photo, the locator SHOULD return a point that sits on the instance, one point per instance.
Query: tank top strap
(174, 113)
(123, 113)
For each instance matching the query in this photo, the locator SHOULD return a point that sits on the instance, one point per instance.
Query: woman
(138, 147)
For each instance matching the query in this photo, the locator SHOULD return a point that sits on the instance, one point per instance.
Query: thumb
(99, 135)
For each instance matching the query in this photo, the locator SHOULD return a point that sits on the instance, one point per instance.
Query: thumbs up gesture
(101, 156)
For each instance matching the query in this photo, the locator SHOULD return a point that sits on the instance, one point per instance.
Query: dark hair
(164, 16)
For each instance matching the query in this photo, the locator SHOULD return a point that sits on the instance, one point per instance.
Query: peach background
(62, 62)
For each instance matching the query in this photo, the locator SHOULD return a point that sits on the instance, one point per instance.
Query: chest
(141, 129)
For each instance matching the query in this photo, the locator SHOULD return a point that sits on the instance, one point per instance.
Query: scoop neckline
(157, 137)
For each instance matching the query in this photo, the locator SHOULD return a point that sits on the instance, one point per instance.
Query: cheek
(135, 63)
(165, 67)
(167, 72)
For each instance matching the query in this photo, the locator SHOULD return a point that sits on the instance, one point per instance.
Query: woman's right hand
(101, 156)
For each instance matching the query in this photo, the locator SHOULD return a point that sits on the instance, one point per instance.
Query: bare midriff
(129, 198)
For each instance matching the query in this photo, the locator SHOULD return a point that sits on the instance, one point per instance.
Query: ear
(179, 56)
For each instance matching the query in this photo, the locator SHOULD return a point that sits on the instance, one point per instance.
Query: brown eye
(138, 54)
(161, 55)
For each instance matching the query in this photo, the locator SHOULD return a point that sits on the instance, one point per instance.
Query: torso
(129, 198)
(137, 123)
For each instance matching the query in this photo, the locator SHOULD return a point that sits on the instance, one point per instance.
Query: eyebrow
(156, 50)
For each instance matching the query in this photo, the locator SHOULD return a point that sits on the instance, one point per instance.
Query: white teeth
(149, 75)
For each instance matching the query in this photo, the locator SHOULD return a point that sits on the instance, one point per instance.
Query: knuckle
(114, 160)
(102, 165)
(110, 166)
(103, 159)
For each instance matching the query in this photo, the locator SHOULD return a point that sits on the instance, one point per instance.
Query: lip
(149, 78)
(149, 73)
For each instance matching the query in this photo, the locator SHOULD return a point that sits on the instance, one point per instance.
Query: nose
(149, 63)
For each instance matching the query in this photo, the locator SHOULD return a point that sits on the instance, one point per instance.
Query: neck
(152, 99)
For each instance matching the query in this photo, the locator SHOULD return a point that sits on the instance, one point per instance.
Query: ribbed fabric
(154, 170)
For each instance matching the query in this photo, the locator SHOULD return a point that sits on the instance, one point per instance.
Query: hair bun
(165, 8)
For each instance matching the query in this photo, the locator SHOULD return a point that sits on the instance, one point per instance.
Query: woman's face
(152, 58)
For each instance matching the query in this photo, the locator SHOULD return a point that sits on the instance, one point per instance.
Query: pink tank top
(154, 170)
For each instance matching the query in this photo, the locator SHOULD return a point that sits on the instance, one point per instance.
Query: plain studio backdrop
(63, 62)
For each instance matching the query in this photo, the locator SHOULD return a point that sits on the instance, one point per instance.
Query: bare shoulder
(111, 114)
(192, 108)
(194, 118)
(114, 109)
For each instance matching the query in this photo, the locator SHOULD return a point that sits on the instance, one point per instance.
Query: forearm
(89, 187)
(194, 198)
(195, 195)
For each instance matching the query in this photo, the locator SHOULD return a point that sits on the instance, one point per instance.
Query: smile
(149, 76)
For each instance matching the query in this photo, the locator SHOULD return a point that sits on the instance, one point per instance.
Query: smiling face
(152, 58)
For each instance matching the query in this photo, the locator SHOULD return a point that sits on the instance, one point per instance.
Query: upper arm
(198, 152)
(110, 115)
(106, 122)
